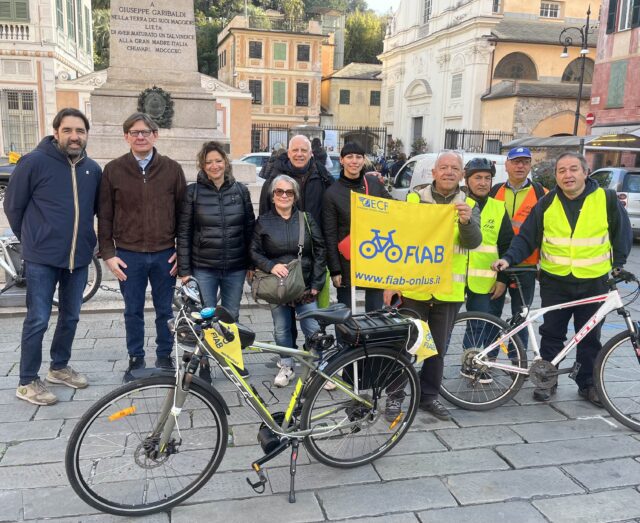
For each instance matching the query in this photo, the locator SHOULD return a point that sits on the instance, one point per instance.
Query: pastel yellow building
(533, 91)
(351, 96)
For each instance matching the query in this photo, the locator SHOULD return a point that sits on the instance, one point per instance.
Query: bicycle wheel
(617, 380)
(94, 279)
(480, 388)
(384, 376)
(108, 459)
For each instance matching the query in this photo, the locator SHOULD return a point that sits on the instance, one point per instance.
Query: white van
(417, 171)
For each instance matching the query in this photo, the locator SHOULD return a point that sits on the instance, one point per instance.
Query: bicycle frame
(610, 301)
(5, 260)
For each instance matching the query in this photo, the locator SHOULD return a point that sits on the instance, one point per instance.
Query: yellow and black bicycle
(154, 442)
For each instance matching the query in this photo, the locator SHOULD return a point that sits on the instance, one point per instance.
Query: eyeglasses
(284, 192)
(146, 133)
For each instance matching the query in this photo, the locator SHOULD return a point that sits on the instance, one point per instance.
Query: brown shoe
(435, 408)
(591, 395)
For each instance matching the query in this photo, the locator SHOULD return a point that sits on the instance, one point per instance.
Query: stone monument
(153, 68)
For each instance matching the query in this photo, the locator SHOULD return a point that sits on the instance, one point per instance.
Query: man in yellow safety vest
(582, 232)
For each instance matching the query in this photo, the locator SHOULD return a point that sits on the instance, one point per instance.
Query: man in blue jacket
(50, 202)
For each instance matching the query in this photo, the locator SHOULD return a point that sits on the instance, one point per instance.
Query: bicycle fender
(151, 372)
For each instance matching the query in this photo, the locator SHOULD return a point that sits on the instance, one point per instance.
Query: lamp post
(566, 41)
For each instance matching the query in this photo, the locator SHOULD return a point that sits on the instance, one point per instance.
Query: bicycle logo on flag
(394, 253)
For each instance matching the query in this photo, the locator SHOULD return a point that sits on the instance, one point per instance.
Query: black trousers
(554, 328)
(440, 316)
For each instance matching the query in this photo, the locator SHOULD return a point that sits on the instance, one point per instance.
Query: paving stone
(614, 505)
(93, 392)
(42, 475)
(107, 518)
(507, 415)
(558, 452)
(228, 485)
(606, 474)
(270, 508)
(240, 458)
(466, 438)
(487, 487)
(438, 463)
(9, 347)
(491, 513)
(245, 434)
(407, 517)
(34, 452)
(103, 365)
(27, 430)
(63, 410)
(580, 409)
(417, 442)
(5, 367)
(424, 421)
(394, 496)
(8, 382)
(18, 411)
(317, 476)
(569, 429)
(10, 505)
(55, 502)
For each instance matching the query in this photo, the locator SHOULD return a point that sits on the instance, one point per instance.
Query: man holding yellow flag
(439, 310)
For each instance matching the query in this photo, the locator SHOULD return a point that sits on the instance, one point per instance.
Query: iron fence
(488, 142)
(266, 136)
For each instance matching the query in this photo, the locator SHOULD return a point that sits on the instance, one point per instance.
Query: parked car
(335, 168)
(5, 173)
(417, 171)
(626, 182)
(259, 160)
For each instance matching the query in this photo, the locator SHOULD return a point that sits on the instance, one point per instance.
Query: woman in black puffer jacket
(215, 227)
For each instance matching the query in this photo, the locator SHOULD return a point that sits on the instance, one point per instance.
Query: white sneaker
(284, 376)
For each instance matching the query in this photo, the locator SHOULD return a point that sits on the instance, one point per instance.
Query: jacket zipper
(144, 207)
(224, 230)
(76, 217)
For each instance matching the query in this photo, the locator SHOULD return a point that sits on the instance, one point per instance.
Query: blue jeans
(41, 285)
(528, 285)
(230, 284)
(143, 268)
(282, 322)
(373, 300)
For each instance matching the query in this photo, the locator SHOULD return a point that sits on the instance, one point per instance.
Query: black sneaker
(435, 408)
(392, 410)
(165, 362)
(591, 395)
(544, 394)
(135, 363)
(243, 372)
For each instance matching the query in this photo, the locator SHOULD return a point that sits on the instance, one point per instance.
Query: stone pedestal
(152, 43)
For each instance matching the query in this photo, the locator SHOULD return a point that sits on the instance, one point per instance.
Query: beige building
(351, 96)
(281, 66)
(41, 43)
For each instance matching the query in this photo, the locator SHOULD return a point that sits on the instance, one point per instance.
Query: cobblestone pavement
(564, 461)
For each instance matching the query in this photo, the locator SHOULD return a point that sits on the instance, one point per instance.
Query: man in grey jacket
(440, 310)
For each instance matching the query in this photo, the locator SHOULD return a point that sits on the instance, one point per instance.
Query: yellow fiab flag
(232, 350)
(401, 245)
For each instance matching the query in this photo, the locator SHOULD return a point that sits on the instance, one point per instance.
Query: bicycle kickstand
(292, 470)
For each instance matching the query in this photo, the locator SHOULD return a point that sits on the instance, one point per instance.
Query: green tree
(207, 30)
(101, 18)
(364, 34)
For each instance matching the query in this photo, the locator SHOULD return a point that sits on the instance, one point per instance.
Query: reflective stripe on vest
(480, 277)
(587, 252)
(520, 216)
(459, 269)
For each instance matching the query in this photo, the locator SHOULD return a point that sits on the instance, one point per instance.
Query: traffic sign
(590, 118)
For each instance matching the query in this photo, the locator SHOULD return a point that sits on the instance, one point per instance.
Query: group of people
(152, 228)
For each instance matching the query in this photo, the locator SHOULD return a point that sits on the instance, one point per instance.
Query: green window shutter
(71, 21)
(21, 10)
(87, 30)
(60, 15)
(5, 10)
(635, 15)
(80, 24)
(611, 16)
(279, 51)
(278, 93)
(617, 78)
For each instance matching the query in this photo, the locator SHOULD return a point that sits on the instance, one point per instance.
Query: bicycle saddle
(336, 313)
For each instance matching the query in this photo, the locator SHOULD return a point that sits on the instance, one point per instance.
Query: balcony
(14, 31)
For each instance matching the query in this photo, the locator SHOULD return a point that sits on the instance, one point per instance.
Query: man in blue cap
(519, 194)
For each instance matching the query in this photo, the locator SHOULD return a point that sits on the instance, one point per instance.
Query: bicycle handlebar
(620, 276)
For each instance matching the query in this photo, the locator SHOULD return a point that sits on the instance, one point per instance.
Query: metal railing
(488, 142)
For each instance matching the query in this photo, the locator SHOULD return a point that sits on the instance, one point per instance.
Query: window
(549, 10)
(304, 51)
(626, 10)
(391, 97)
(87, 30)
(16, 67)
(617, 79)
(80, 24)
(279, 89)
(516, 66)
(19, 122)
(255, 88)
(456, 86)
(345, 96)
(572, 72)
(17, 10)
(255, 50)
(426, 11)
(60, 15)
(417, 128)
(279, 51)
(71, 21)
(374, 98)
(497, 6)
(302, 95)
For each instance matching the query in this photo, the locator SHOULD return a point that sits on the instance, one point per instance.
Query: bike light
(207, 313)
